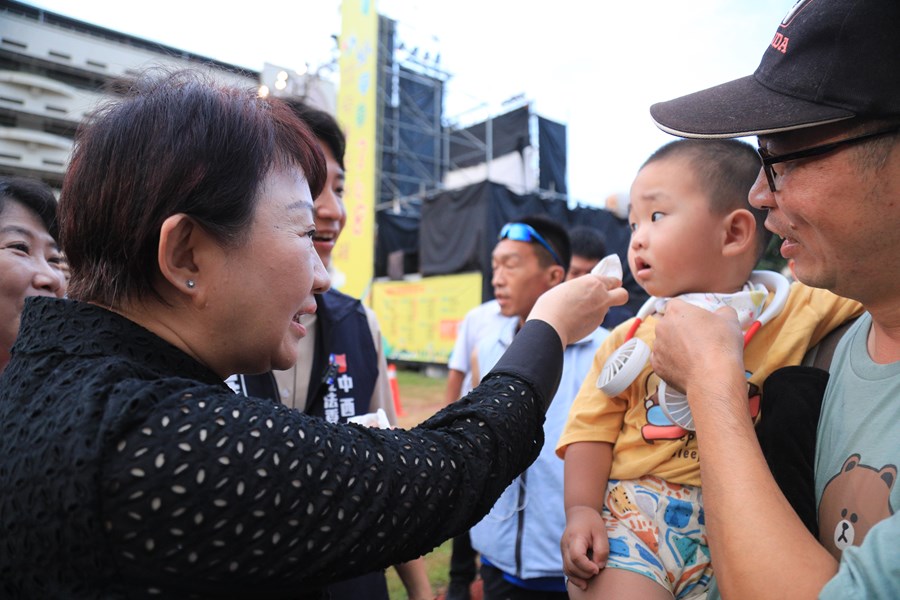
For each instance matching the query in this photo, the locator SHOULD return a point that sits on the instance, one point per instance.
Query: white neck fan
(626, 363)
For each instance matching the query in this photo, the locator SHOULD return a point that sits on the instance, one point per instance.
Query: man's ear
(739, 233)
(182, 246)
(557, 275)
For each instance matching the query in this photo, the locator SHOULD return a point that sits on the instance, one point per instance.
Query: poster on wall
(419, 318)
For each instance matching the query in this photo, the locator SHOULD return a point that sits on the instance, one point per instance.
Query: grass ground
(421, 397)
(437, 564)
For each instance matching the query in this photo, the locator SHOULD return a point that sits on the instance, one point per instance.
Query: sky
(594, 66)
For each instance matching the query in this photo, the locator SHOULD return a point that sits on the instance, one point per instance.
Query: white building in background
(54, 71)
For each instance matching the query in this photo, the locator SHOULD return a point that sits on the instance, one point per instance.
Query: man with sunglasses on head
(519, 539)
(825, 105)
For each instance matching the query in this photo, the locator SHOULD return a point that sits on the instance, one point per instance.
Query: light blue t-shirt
(857, 460)
(485, 320)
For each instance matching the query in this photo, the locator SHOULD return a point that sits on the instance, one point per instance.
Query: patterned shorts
(657, 529)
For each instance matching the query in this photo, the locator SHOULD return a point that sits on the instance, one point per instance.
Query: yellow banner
(354, 257)
(419, 319)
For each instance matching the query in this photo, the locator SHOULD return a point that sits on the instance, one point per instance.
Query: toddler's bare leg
(621, 585)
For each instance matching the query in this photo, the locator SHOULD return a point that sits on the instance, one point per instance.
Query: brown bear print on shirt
(853, 501)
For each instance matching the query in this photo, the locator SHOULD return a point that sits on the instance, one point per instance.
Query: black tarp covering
(552, 156)
(397, 233)
(459, 229)
(509, 134)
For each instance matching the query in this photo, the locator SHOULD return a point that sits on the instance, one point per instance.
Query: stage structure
(309, 85)
(426, 157)
(423, 152)
(412, 157)
(411, 105)
(519, 150)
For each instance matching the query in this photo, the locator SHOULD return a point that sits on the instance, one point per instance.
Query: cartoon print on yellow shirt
(660, 427)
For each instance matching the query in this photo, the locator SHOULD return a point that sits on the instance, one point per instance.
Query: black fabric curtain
(397, 232)
(509, 134)
(459, 229)
(454, 230)
(552, 156)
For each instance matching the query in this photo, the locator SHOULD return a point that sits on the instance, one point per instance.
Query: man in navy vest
(341, 370)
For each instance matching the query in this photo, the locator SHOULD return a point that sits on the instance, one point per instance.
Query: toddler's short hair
(725, 170)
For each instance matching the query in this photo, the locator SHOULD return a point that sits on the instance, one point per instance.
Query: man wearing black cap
(825, 104)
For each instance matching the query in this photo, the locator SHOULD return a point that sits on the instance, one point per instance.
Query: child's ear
(740, 233)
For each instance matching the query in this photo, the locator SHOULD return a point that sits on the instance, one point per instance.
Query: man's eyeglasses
(520, 232)
(768, 159)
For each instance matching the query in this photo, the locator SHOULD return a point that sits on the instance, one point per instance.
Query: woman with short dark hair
(30, 260)
(129, 469)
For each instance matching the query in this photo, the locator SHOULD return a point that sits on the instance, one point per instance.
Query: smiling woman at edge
(129, 469)
(30, 260)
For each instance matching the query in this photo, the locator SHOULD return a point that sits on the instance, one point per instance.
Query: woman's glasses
(520, 232)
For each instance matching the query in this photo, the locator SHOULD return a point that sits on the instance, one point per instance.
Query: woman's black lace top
(128, 469)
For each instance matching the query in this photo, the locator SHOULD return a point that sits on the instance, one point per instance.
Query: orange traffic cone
(395, 390)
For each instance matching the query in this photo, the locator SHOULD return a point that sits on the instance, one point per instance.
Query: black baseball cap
(829, 60)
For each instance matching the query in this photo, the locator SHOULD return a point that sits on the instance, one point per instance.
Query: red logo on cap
(780, 43)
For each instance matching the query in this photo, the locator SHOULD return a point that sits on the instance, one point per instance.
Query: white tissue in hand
(376, 419)
(610, 266)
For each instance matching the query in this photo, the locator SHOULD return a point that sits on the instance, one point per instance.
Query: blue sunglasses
(520, 232)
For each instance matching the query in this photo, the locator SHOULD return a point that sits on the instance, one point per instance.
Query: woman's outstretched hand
(577, 307)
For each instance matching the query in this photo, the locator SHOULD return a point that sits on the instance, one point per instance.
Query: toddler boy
(634, 515)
